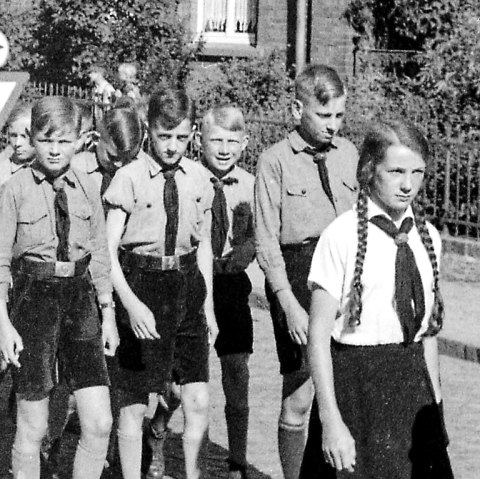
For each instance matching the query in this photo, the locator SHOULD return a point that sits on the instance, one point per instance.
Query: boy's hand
(142, 322)
(338, 445)
(110, 336)
(11, 345)
(296, 316)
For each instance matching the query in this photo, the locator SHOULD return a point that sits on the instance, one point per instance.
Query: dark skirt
(386, 399)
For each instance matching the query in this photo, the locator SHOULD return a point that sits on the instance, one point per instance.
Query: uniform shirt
(7, 167)
(333, 265)
(27, 224)
(86, 161)
(137, 188)
(239, 199)
(290, 203)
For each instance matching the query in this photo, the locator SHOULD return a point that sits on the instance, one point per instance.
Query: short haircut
(226, 116)
(379, 137)
(21, 110)
(55, 114)
(169, 107)
(95, 68)
(125, 129)
(320, 82)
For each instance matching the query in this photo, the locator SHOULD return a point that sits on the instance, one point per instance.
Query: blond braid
(435, 322)
(355, 304)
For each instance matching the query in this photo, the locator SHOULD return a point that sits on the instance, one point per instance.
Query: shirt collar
(298, 144)
(233, 173)
(40, 176)
(154, 168)
(14, 167)
(90, 161)
(375, 210)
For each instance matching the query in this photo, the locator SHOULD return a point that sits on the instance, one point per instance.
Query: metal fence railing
(452, 189)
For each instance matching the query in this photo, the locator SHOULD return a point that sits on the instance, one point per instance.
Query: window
(228, 21)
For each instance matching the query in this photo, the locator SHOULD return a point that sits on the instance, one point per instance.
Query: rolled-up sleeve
(120, 193)
(268, 223)
(8, 229)
(100, 267)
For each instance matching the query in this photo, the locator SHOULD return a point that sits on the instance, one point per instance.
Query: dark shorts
(386, 399)
(176, 299)
(298, 259)
(232, 311)
(58, 321)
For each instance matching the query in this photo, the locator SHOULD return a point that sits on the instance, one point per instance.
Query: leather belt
(145, 262)
(57, 269)
(299, 246)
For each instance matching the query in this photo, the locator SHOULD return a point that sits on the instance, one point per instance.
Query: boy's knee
(99, 426)
(195, 399)
(33, 429)
(295, 410)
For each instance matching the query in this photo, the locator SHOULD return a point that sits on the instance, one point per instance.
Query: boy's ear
(197, 138)
(245, 141)
(297, 110)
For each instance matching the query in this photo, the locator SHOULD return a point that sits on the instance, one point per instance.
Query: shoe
(156, 441)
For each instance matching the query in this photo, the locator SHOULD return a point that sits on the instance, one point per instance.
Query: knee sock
(130, 450)
(88, 464)
(25, 466)
(237, 428)
(291, 445)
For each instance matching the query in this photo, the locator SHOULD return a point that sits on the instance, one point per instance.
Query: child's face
(222, 148)
(19, 139)
(54, 152)
(170, 145)
(397, 180)
(318, 124)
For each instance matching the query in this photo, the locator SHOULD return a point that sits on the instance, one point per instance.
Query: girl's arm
(142, 320)
(337, 443)
(430, 345)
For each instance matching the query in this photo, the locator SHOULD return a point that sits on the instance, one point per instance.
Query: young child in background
(127, 74)
(53, 245)
(19, 150)
(222, 140)
(376, 311)
(158, 228)
(302, 184)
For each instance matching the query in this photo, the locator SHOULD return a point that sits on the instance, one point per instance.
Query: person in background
(19, 151)
(302, 183)
(375, 315)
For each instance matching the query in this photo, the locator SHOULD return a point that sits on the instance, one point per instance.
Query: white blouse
(333, 265)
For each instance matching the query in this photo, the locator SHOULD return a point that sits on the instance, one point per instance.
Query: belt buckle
(64, 269)
(170, 263)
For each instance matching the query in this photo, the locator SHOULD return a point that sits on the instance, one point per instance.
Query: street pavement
(460, 384)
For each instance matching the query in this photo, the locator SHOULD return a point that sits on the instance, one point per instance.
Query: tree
(72, 35)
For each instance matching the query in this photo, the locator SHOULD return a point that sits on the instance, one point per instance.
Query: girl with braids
(375, 312)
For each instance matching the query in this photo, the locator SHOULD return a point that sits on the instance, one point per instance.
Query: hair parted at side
(123, 127)
(55, 114)
(378, 138)
(319, 82)
(21, 110)
(169, 107)
(226, 116)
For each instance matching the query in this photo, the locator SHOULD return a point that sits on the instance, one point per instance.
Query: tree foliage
(69, 36)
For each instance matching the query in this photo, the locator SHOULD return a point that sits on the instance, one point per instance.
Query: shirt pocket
(33, 228)
(80, 226)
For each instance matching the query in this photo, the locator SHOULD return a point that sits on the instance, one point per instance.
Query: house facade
(246, 28)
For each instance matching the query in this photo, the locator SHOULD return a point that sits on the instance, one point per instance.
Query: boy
(223, 139)
(158, 223)
(19, 151)
(54, 247)
(302, 184)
